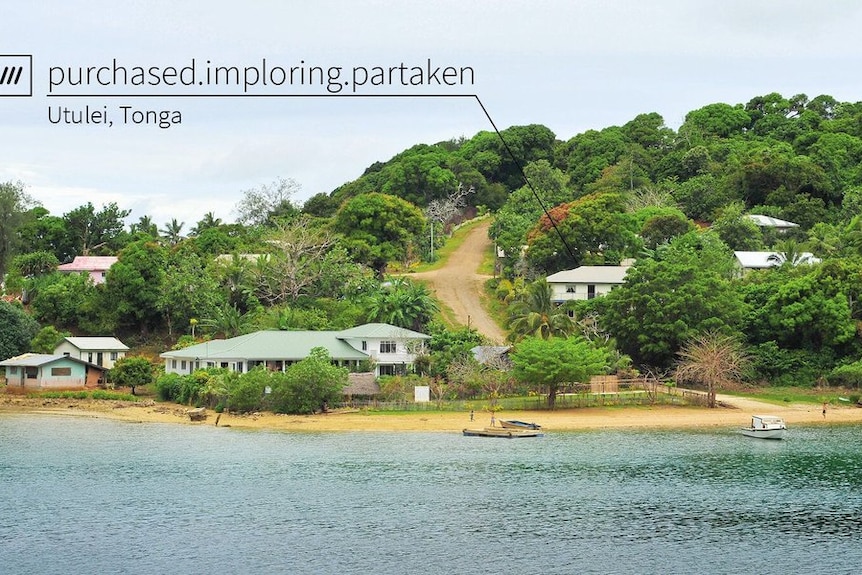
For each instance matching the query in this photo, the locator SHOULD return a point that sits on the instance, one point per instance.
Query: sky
(570, 65)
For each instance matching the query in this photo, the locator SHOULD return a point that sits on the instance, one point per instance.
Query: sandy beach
(734, 414)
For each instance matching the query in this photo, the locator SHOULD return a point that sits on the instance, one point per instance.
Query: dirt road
(458, 285)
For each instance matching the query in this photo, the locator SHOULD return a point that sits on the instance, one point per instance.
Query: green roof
(273, 345)
(381, 331)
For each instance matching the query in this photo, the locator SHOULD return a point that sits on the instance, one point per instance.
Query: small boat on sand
(765, 427)
(503, 432)
(515, 424)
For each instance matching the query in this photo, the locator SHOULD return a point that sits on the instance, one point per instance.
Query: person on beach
(471, 415)
(493, 421)
(824, 410)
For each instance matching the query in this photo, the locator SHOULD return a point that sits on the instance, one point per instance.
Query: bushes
(849, 375)
(303, 387)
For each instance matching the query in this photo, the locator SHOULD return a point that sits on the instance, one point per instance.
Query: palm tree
(145, 225)
(208, 221)
(534, 313)
(712, 359)
(403, 303)
(173, 231)
(789, 253)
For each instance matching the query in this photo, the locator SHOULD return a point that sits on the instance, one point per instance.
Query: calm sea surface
(80, 496)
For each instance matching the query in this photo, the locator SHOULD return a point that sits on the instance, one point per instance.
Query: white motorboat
(765, 427)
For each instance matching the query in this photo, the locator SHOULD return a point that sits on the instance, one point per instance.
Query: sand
(736, 413)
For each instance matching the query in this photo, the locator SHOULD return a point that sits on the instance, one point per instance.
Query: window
(65, 354)
(591, 291)
(173, 364)
(386, 369)
(113, 356)
(387, 347)
(90, 357)
(183, 365)
(570, 289)
(13, 370)
(364, 345)
(61, 371)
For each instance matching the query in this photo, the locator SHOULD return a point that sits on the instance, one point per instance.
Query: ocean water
(82, 495)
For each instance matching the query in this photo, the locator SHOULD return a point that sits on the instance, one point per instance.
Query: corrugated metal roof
(39, 359)
(381, 331)
(88, 263)
(770, 222)
(98, 342)
(591, 274)
(273, 345)
(760, 260)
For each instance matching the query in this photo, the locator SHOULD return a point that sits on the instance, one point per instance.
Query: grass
(95, 394)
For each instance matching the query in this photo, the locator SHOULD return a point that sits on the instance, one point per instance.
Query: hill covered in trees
(641, 190)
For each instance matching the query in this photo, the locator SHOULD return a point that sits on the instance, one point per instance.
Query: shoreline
(735, 414)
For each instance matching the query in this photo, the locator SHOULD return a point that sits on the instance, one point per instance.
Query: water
(97, 496)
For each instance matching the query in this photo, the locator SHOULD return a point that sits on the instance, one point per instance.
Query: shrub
(849, 375)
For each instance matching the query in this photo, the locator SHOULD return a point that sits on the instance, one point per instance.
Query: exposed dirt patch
(459, 286)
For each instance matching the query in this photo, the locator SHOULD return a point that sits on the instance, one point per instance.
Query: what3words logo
(16, 75)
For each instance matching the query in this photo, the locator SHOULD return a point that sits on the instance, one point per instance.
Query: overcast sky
(570, 65)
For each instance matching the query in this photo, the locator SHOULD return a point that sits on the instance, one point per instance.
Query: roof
(40, 359)
(88, 264)
(381, 331)
(770, 222)
(761, 260)
(100, 342)
(272, 345)
(361, 384)
(591, 274)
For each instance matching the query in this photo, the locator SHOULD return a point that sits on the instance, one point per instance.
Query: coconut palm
(533, 312)
(172, 231)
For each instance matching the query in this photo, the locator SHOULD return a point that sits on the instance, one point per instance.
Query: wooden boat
(503, 432)
(515, 424)
(765, 427)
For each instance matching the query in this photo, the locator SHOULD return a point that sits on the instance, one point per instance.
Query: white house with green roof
(392, 350)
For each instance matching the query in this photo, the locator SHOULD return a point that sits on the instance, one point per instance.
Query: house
(747, 261)
(770, 222)
(101, 351)
(40, 371)
(96, 266)
(391, 349)
(586, 282)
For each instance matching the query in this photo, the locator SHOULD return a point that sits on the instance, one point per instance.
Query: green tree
(47, 340)
(64, 300)
(596, 228)
(18, 330)
(379, 229)
(93, 231)
(686, 289)
(14, 203)
(132, 371)
(403, 303)
(134, 285)
(309, 385)
(188, 290)
(40, 231)
(736, 230)
(533, 313)
(547, 364)
(172, 232)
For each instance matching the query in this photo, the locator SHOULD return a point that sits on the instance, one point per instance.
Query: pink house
(96, 266)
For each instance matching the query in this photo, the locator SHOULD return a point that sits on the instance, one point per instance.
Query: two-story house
(392, 350)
